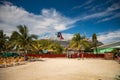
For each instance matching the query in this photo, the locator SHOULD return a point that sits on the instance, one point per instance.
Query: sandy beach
(63, 69)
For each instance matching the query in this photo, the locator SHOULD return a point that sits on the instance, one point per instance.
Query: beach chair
(9, 62)
(2, 63)
(12, 61)
(22, 60)
(16, 61)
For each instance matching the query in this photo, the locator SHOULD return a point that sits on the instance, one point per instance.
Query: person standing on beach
(78, 55)
(82, 56)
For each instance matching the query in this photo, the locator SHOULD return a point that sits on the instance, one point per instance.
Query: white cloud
(67, 36)
(83, 4)
(103, 15)
(48, 21)
(114, 6)
(109, 18)
(108, 37)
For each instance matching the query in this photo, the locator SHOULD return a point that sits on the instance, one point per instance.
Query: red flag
(61, 37)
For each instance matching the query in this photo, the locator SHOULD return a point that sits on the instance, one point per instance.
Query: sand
(63, 69)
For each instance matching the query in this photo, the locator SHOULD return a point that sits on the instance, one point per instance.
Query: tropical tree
(44, 44)
(56, 47)
(94, 41)
(3, 41)
(37, 46)
(21, 39)
(79, 42)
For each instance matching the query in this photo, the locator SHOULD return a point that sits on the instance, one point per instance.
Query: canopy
(9, 54)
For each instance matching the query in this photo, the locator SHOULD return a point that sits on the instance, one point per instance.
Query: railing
(46, 55)
(88, 55)
(65, 55)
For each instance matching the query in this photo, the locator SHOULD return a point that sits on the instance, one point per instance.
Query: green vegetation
(94, 42)
(117, 77)
(3, 41)
(21, 39)
(56, 47)
(79, 42)
(28, 43)
(115, 51)
(44, 44)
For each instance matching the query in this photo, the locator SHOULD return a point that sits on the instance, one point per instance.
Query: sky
(47, 17)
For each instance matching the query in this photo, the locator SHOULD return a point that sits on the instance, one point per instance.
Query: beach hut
(107, 49)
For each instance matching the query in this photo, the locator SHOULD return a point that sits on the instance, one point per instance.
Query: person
(69, 55)
(78, 55)
(118, 56)
(82, 56)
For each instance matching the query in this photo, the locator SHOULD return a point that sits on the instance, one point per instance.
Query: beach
(63, 69)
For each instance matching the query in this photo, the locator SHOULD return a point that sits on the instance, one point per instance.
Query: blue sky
(46, 17)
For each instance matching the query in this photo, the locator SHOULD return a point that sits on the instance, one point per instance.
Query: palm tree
(43, 43)
(21, 39)
(94, 41)
(37, 45)
(56, 47)
(3, 41)
(79, 43)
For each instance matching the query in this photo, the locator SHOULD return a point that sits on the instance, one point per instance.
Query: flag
(60, 35)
